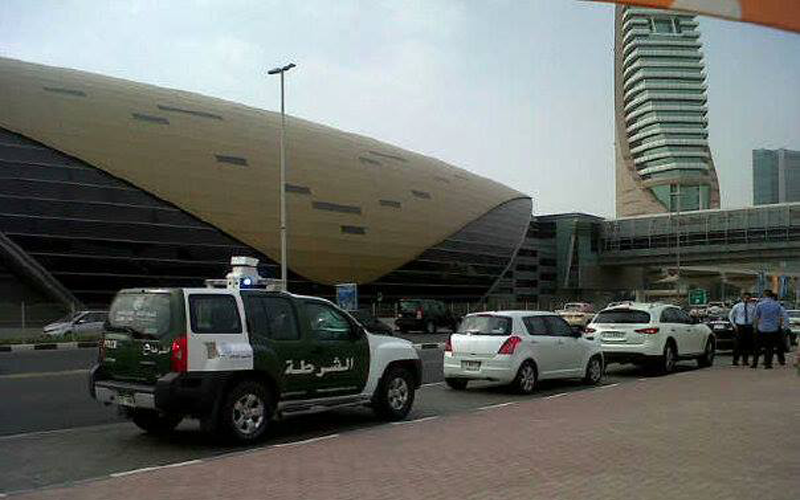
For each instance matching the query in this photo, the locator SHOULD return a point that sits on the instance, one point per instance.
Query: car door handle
(560, 341)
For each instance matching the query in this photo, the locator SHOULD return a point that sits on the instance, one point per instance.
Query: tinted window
(535, 325)
(214, 314)
(95, 317)
(409, 305)
(669, 316)
(147, 313)
(326, 323)
(622, 316)
(557, 326)
(682, 317)
(271, 317)
(486, 324)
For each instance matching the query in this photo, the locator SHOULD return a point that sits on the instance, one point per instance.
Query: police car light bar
(245, 275)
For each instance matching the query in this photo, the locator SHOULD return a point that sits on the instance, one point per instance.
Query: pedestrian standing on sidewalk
(741, 317)
(768, 328)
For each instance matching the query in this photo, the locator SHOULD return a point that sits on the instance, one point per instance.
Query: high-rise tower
(663, 163)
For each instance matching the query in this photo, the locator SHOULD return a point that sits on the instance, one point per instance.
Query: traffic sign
(698, 297)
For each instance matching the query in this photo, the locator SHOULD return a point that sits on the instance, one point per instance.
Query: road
(54, 434)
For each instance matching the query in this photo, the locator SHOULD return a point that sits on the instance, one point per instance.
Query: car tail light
(179, 357)
(101, 349)
(648, 331)
(419, 313)
(448, 346)
(509, 345)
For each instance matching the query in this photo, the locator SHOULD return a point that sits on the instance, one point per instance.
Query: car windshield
(622, 316)
(409, 305)
(573, 307)
(144, 313)
(485, 324)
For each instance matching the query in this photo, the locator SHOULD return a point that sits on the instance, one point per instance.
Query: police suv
(237, 357)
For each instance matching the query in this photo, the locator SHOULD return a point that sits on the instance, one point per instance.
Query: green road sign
(698, 297)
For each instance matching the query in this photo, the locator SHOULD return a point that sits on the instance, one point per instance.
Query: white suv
(519, 348)
(658, 335)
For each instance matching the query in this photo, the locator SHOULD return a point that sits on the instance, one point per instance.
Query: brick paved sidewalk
(724, 433)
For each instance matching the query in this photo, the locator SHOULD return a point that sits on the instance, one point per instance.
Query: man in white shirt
(741, 317)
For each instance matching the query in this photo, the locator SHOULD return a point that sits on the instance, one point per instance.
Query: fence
(389, 310)
(28, 315)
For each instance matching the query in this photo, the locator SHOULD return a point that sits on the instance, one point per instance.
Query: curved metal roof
(358, 208)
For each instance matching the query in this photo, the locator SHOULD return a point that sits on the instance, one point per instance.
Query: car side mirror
(577, 331)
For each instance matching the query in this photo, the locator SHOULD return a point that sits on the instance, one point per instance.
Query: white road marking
(43, 374)
(306, 441)
(181, 464)
(499, 405)
(608, 386)
(556, 395)
(155, 467)
(432, 384)
(134, 471)
(423, 419)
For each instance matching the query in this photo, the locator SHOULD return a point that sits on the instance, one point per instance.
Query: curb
(53, 346)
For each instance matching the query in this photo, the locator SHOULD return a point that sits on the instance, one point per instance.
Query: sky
(517, 91)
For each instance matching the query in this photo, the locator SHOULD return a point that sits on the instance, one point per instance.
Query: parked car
(77, 324)
(371, 323)
(652, 334)
(236, 359)
(794, 321)
(724, 332)
(424, 315)
(519, 348)
(577, 313)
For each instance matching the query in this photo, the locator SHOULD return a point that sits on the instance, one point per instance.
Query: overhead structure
(111, 183)
(783, 14)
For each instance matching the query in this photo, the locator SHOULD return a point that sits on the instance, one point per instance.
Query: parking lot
(729, 426)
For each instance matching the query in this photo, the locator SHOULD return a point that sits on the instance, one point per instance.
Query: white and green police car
(236, 358)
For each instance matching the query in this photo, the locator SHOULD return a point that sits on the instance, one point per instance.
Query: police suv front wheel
(246, 412)
(395, 394)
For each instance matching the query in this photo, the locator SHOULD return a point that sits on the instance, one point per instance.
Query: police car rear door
(279, 349)
(339, 350)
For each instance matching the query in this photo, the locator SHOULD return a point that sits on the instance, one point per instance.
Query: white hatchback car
(519, 348)
(654, 334)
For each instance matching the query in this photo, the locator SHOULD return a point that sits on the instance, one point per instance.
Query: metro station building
(108, 184)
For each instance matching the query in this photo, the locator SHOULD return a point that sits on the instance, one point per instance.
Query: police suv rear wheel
(246, 412)
(153, 422)
(395, 394)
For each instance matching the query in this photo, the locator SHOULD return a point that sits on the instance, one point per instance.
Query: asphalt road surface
(52, 433)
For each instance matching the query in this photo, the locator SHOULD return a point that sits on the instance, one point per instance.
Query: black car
(724, 332)
(371, 323)
(425, 315)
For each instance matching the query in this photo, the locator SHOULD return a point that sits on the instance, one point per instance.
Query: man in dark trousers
(741, 317)
(769, 328)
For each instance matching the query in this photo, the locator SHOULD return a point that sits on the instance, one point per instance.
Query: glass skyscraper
(663, 160)
(776, 176)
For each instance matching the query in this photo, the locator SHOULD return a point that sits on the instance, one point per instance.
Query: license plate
(471, 366)
(126, 400)
(719, 327)
(613, 335)
(110, 343)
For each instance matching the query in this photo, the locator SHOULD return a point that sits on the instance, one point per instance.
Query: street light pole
(284, 277)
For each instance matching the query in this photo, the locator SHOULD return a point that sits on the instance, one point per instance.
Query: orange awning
(783, 14)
